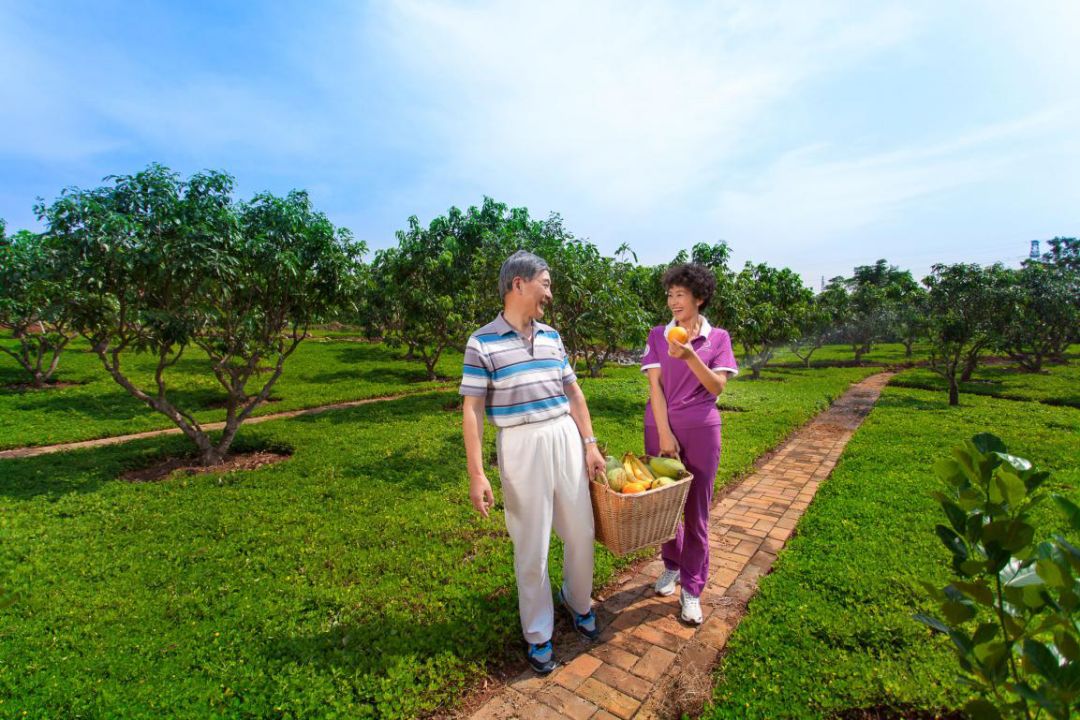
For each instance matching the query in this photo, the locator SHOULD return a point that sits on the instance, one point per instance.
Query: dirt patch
(888, 713)
(730, 408)
(29, 387)
(223, 404)
(190, 466)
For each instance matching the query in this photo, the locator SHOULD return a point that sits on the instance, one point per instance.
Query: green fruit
(616, 479)
(665, 481)
(612, 463)
(666, 467)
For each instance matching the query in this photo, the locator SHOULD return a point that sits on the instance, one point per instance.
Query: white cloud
(625, 107)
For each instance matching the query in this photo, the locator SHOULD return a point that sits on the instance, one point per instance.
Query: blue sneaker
(584, 624)
(541, 657)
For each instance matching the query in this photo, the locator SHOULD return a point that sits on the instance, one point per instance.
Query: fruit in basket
(612, 463)
(634, 488)
(663, 482)
(666, 467)
(616, 479)
(636, 470)
(678, 334)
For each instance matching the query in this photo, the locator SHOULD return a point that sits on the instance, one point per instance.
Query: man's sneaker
(665, 584)
(584, 624)
(541, 657)
(691, 608)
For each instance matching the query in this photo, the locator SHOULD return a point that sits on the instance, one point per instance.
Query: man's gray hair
(522, 264)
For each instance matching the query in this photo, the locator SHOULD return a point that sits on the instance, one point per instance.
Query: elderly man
(517, 373)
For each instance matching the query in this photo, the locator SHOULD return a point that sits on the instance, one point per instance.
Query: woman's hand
(669, 446)
(680, 351)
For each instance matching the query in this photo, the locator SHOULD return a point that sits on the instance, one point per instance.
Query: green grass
(352, 580)
(831, 628)
(880, 354)
(1056, 385)
(319, 372)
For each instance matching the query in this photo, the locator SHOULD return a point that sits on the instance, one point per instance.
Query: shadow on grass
(385, 641)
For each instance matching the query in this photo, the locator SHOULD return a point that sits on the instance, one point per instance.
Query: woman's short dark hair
(698, 279)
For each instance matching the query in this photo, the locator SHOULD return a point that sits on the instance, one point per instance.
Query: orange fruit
(678, 334)
(633, 488)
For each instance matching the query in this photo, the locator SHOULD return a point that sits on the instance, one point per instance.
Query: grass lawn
(1056, 385)
(321, 371)
(831, 628)
(881, 354)
(352, 580)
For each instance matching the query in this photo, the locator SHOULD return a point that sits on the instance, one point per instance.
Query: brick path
(647, 664)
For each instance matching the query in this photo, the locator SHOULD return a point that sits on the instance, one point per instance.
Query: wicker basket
(625, 523)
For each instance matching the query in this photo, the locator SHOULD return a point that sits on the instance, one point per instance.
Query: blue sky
(813, 134)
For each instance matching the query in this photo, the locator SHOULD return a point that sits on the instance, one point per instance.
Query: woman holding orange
(688, 363)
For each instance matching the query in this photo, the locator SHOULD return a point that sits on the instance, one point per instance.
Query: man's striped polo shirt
(519, 384)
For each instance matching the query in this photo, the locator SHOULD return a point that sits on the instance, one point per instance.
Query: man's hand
(480, 494)
(595, 462)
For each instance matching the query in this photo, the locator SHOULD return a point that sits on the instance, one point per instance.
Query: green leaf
(980, 709)
(978, 591)
(1041, 659)
(1008, 488)
(957, 613)
(952, 541)
(1067, 644)
(1019, 464)
(1011, 535)
(931, 622)
(1049, 571)
(986, 632)
(1072, 511)
(950, 471)
(957, 517)
(988, 443)
(1017, 574)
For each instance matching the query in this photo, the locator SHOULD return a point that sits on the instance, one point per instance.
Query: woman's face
(682, 303)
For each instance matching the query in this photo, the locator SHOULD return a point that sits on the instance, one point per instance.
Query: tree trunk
(970, 364)
(954, 390)
(907, 347)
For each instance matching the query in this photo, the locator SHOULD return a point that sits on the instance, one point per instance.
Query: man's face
(535, 293)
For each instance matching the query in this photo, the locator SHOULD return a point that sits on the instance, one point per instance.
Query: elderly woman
(687, 369)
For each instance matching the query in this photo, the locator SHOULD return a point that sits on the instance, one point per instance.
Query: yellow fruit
(633, 488)
(666, 467)
(636, 469)
(616, 479)
(678, 334)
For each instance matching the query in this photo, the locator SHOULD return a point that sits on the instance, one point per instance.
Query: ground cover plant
(352, 580)
(321, 371)
(1055, 385)
(839, 354)
(831, 630)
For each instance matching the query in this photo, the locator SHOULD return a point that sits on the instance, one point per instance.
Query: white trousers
(544, 481)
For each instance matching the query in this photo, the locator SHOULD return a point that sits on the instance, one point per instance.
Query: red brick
(623, 681)
(653, 665)
(608, 698)
(657, 637)
(615, 656)
(566, 702)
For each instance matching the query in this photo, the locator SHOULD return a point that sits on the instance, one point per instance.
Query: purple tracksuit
(695, 421)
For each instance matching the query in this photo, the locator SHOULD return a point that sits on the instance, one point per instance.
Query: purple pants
(689, 551)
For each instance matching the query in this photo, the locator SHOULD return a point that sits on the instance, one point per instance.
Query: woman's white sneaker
(665, 584)
(691, 608)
